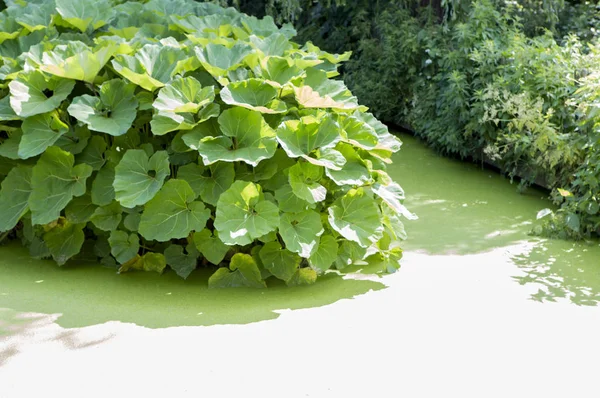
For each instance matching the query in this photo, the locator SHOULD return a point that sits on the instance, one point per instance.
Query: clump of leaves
(176, 134)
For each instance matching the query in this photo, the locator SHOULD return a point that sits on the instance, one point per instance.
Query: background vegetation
(513, 82)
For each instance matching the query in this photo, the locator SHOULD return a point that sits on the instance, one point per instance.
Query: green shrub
(176, 133)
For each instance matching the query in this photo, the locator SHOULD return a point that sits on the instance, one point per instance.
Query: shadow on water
(87, 294)
(465, 210)
(562, 270)
(42, 327)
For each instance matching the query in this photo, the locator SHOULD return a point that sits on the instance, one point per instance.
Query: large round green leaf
(301, 231)
(280, 262)
(33, 94)
(173, 213)
(76, 60)
(302, 138)
(210, 246)
(253, 94)
(320, 92)
(355, 170)
(356, 217)
(84, 14)
(151, 67)
(242, 272)
(217, 59)
(183, 95)
(325, 255)
(243, 214)
(64, 240)
(123, 246)
(208, 182)
(139, 177)
(247, 138)
(181, 262)
(304, 179)
(39, 132)
(55, 181)
(14, 196)
(112, 113)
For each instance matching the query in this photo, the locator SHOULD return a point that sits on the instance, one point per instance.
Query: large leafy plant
(178, 134)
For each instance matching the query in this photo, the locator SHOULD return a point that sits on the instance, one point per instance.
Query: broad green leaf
(242, 272)
(355, 171)
(217, 23)
(392, 223)
(93, 154)
(279, 70)
(6, 111)
(253, 94)
(391, 259)
(217, 59)
(274, 45)
(359, 133)
(55, 181)
(80, 210)
(153, 262)
(103, 192)
(210, 246)
(184, 95)
(35, 16)
(84, 14)
(182, 104)
(138, 177)
(112, 113)
(320, 92)
(9, 29)
(75, 140)
(33, 94)
(244, 215)
(301, 138)
(77, 61)
(208, 182)
(64, 241)
(288, 201)
(132, 221)
(123, 246)
(356, 217)
(182, 263)
(332, 58)
(301, 231)
(325, 255)
(14, 196)
(151, 67)
(304, 276)
(387, 144)
(165, 122)
(247, 138)
(393, 195)
(304, 179)
(107, 218)
(348, 253)
(39, 132)
(282, 263)
(173, 213)
(10, 146)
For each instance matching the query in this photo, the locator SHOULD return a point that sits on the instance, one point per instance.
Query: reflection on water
(463, 209)
(563, 270)
(86, 294)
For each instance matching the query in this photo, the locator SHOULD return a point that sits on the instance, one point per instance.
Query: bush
(176, 133)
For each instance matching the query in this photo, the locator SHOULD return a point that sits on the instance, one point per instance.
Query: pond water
(479, 308)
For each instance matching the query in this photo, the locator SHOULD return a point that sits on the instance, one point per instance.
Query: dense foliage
(513, 83)
(176, 133)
